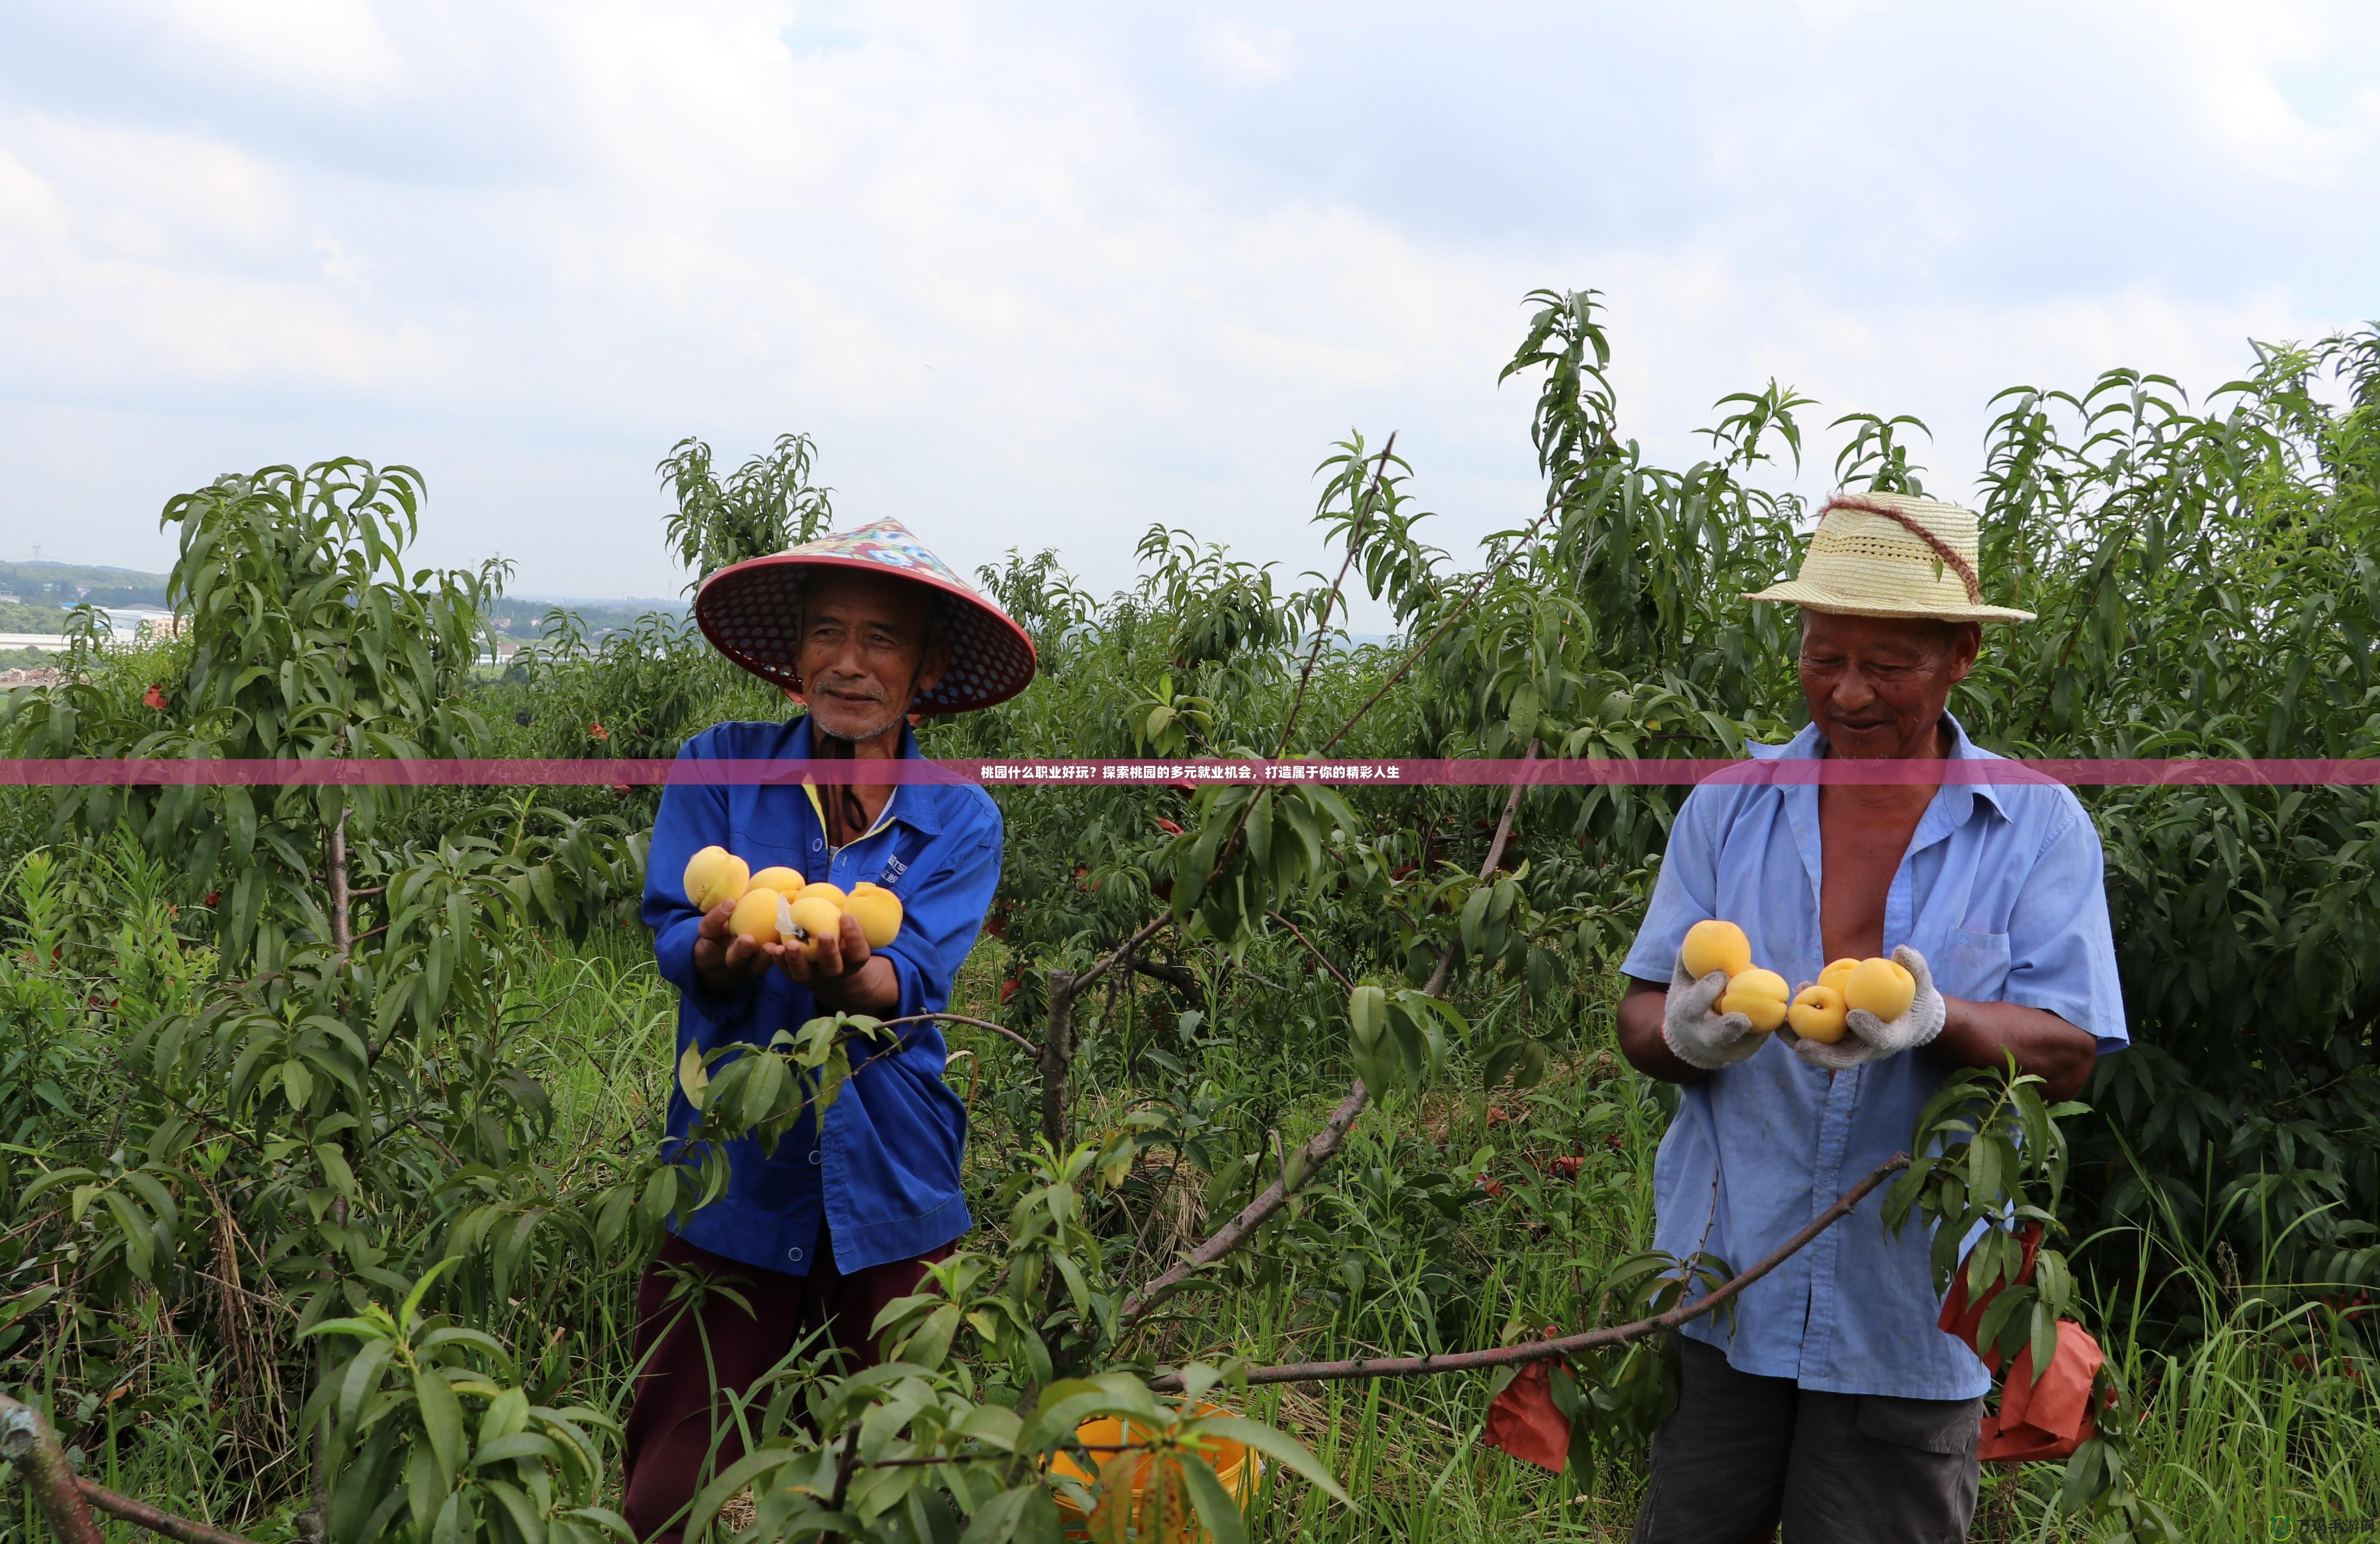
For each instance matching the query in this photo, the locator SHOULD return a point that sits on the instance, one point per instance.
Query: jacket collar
(918, 806)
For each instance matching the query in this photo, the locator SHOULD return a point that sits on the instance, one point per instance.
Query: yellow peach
(1759, 995)
(757, 914)
(1837, 972)
(1715, 946)
(714, 875)
(812, 917)
(1817, 1014)
(879, 911)
(821, 891)
(783, 880)
(1882, 988)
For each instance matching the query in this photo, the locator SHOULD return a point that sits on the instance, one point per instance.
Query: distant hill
(65, 584)
(34, 598)
(524, 616)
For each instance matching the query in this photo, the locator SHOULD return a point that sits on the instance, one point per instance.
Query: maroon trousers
(676, 1406)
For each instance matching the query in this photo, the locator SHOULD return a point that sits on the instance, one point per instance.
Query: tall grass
(2266, 1412)
(1465, 1229)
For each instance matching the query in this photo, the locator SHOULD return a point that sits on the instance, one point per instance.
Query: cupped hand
(827, 959)
(1695, 1032)
(727, 962)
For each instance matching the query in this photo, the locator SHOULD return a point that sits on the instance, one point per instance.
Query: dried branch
(27, 1442)
(141, 1514)
(1591, 1339)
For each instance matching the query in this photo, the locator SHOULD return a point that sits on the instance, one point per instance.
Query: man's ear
(1966, 644)
(930, 669)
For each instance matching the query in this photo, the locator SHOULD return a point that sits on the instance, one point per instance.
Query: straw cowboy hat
(1890, 554)
(751, 612)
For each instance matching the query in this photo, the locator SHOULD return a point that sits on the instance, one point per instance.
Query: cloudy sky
(1043, 275)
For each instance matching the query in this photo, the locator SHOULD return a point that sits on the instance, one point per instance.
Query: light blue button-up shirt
(2002, 892)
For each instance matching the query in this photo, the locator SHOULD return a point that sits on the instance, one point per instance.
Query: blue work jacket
(883, 1176)
(2002, 889)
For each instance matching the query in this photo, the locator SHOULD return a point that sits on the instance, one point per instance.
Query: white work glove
(1696, 1035)
(1867, 1037)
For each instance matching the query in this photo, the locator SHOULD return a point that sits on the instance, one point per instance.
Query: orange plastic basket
(1102, 1439)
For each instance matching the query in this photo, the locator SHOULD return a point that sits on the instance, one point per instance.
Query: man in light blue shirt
(1834, 1403)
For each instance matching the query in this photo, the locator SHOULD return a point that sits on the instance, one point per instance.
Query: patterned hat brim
(747, 611)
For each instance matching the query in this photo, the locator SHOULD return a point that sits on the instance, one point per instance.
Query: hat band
(1943, 550)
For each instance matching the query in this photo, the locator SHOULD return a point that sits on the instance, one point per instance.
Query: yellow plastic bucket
(1102, 1439)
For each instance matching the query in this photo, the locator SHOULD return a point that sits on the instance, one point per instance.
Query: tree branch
(1180, 977)
(1338, 975)
(971, 1023)
(1147, 931)
(340, 923)
(27, 1442)
(1324, 1143)
(1591, 1339)
(1322, 623)
(141, 1514)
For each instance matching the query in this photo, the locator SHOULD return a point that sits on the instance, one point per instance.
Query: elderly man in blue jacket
(868, 628)
(1832, 1401)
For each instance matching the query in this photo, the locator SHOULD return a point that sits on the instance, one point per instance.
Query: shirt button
(792, 1254)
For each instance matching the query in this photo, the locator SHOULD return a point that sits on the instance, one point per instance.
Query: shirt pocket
(1977, 968)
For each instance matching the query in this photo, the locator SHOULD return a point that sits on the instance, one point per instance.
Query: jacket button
(792, 1254)
(814, 1155)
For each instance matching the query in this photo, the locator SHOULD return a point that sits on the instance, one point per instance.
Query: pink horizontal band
(2356, 771)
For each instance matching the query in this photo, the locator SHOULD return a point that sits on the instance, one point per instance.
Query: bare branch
(970, 1023)
(141, 1514)
(1591, 1339)
(27, 1442)
(1148, 929)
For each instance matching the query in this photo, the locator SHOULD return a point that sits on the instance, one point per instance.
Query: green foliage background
(260, 1130)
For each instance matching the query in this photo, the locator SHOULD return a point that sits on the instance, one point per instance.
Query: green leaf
(441, 1420)
(1217, 1510)
(734, 1478)
(1278, 1444)
(1367, 1012)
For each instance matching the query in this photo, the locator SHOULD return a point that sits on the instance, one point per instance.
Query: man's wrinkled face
(1877, 686)
(864, 657)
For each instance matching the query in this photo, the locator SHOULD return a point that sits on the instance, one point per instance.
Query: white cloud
(329, 47)
(1044, 283)
(1248, 55)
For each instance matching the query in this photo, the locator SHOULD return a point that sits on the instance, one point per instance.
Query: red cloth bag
(1523, 1420)
(2048, 1417)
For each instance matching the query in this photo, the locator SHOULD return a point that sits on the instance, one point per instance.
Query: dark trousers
(669, 1446)
(1743, 1454)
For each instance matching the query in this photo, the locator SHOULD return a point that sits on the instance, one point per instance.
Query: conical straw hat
(1892, 554)
(751, 612)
